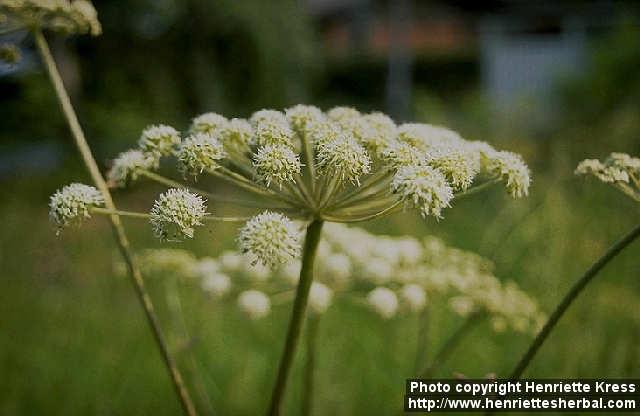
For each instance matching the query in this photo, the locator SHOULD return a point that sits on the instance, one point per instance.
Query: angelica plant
(312, 167)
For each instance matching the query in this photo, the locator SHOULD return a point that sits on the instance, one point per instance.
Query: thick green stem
(121, 238)
(297, 315)
(307, 386)
(568, 299)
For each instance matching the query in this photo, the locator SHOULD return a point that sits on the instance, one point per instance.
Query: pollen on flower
(254, 304)
(159, 140)
(72, 204)
(383, 301)
(346, 158)
(510, 166)
(276, 163)
(176, 213)
(208, 123)
(270, 238)
(199, 153)
(423, 186)
(126, 167)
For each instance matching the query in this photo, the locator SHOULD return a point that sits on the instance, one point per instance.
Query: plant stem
(297, 315)
(476, 189)
(450, 345)
(144, 215)
(422, 338)
(212, 197)
(118, 229)
(568, 299)
(395, 207)
(307, 387)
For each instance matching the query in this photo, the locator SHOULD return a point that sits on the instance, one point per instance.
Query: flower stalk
(568, 299)
(310, 365)
(297, 315)
(118, 229)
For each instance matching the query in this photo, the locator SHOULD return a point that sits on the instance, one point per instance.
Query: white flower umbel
(272, 128)
(414, 296)
(159, 140)
(383, 301)
(200, 152)
(424, 187)
(254, 303)
(619, 170)
(345, 158)
(237, 134)
(276, 163)
(218, 284)
(72, 204)
(337, 166)
(320, 297)
(458, 165)
(126, 167)
(510, 167)
(301, 116)
(270, 238)
(208, 123)
(176, 213)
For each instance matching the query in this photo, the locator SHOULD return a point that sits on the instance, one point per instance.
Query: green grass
(73, 339)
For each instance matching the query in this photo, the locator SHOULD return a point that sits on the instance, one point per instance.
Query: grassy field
(73, 339)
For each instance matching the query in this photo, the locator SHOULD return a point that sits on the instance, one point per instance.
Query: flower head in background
(159, 140)
(384, 301)
(254, 303)
(619, 170)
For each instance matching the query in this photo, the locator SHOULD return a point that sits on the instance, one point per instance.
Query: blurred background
(555, 81)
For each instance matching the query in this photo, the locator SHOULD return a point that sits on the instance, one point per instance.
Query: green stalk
(307, 387)
(120, 236)
(568, 299)
(297, 315)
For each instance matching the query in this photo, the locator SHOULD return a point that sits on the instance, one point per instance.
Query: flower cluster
(335, 166)
(619, 169)
(72, 204)
(392, 275)
(176, 213)
(66, 16)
